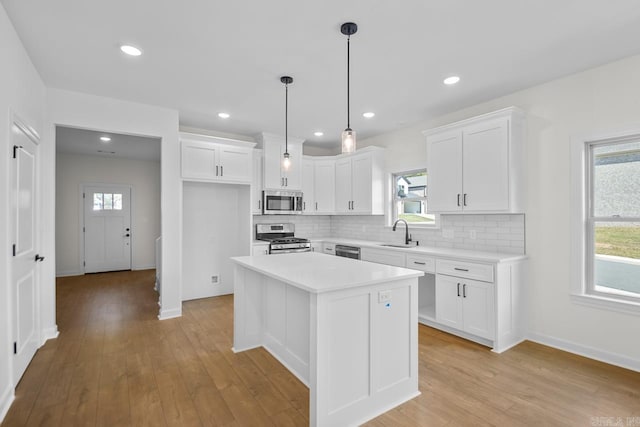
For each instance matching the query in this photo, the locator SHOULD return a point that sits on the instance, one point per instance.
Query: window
(410, 198)
(610, 243)
(107, 201)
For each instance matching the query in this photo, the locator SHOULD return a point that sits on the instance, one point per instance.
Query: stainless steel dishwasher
(348, 251)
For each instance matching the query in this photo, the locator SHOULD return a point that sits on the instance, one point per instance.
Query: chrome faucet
(407, 237)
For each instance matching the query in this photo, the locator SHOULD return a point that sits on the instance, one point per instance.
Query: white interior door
(24, 274)
(107, 228)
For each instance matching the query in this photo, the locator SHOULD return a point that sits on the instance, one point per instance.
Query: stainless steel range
(281, 238)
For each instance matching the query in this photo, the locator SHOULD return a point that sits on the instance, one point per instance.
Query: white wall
(75, 109)
(21, 92)
(600, 99)
(72, 170)
(216, 226)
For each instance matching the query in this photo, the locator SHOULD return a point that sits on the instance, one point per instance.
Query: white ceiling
(87, 142)
(206, 56)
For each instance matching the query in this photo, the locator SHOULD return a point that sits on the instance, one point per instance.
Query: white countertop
(317, 273)
(463, 254)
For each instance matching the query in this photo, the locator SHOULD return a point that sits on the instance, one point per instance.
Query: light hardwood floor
(115, 364)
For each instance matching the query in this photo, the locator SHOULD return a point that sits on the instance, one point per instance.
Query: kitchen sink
(396, 246)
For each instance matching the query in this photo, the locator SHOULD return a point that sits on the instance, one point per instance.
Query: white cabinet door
(444, 173)
(308, 186)
(256, 183)
(325, 186)
(316, 247)
(293, 177)
(485, 161)
(260, 249)
(199, 160)
(343, 185)
(208, 160)
(273, 178)
(235, 164)
(478, 308)
(448, 301)
(361, 183)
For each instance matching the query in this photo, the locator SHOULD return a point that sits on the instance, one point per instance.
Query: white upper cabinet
(308, 185)
(476, 165)
(208, 158)
(318, 185)
(256, 183)
(359, 186)
(325, 186)
(275, 177)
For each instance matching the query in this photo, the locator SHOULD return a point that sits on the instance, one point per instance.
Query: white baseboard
(170, 314)
(590, 352)
(5, 401)
(143, 267)
(50, 333)
(69, 273)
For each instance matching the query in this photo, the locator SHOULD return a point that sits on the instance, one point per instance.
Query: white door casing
(107, 228)
(25, 235)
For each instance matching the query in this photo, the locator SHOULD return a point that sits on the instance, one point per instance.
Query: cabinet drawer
(469, 270)
(329, 248)
(421, 262)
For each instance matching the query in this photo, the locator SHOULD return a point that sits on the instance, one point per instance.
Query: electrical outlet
(215, 279)
(447, 233)
(384, 297)
(472, 234)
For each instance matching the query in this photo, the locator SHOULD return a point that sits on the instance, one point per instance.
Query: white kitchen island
(347, 329)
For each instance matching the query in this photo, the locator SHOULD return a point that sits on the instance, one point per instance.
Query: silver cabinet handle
(221, 170)
(316, 205)
(216, 170)
(419, 263)
(458, 289)
(304, 206)
(259, 203)
(460, 269)
(464, 290)
(464, 199)
(286, 182)
(458, 199)
(281, 182)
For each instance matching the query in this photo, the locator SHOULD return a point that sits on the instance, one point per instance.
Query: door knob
(127, 235)
(39, 258)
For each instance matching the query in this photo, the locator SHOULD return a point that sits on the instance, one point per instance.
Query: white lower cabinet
(260, 249)
(466, 305)
(479, 301)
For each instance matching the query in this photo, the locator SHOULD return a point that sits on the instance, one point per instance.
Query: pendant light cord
(286, 118)
(348, 85)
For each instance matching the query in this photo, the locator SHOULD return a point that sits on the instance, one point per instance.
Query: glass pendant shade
(286, 161)
(348, 141)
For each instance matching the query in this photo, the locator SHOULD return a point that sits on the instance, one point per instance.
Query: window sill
(612, 304)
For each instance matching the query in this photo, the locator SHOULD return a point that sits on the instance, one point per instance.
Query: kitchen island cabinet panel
(347, 329)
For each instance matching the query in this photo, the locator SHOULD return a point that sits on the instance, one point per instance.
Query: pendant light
(348, 135)
(286, 160)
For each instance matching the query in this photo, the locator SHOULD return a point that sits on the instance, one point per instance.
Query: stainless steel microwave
(281, 202)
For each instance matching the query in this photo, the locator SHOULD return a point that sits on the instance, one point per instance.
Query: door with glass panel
(107, 228)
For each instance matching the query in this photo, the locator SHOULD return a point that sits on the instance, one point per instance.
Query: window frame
(583, 220)
(394, 199)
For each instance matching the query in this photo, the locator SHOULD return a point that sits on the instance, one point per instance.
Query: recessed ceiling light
(318, 133)
(368, 115)
(130, 50)
(451, 80)
(224, 115)
(105, 139)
